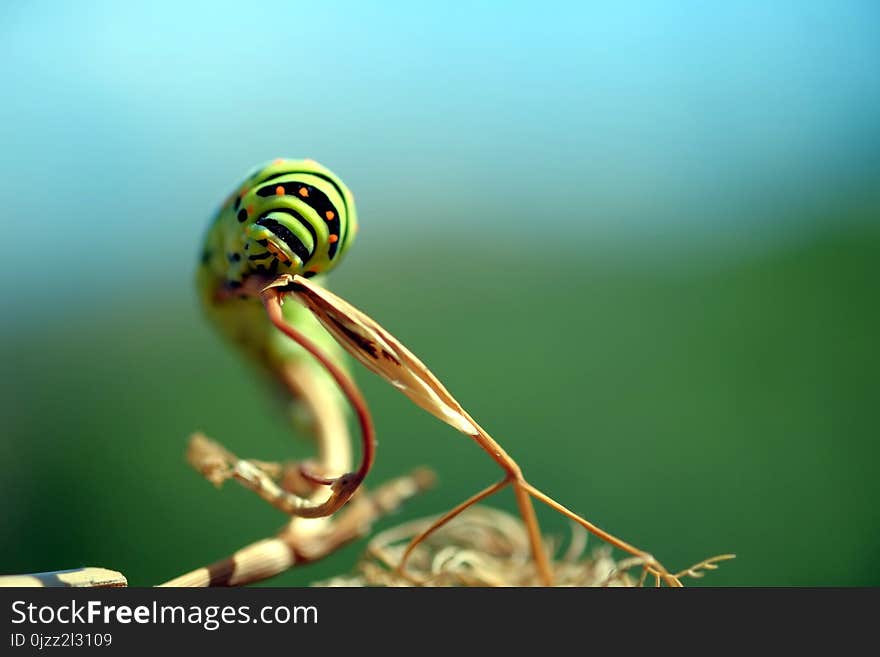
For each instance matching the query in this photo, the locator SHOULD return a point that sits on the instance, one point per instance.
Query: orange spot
(278, 160)
(250, 209)
(303, 192)
(242, 192)
(330, 215)
(333, 238)
(279, 191)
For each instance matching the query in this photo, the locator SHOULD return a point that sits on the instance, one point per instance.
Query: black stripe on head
(316, 174)
(305, 223)
(325, 178)
(315, 199)
(287, 236)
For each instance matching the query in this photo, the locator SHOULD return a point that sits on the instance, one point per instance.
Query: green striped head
(295, 217)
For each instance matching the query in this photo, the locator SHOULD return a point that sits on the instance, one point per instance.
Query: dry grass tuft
(488, 547)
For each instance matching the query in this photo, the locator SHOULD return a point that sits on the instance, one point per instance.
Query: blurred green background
(641, 246)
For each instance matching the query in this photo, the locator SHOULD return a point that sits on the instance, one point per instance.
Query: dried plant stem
(292, 546)
(386, 356)
(651, 564)
(329, 424)
(331, 430)
(527, 511)
(310, 534)
(711, 563)
(524, 491)
(89, 577)
(445, 518)
(523, 501)
(483, 546)
(344, 486)
(514, 478)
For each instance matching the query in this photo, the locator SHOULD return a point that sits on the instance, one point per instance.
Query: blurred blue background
(640, 242)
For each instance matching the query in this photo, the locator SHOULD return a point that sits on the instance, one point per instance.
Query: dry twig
(88, 577)
(302, 540)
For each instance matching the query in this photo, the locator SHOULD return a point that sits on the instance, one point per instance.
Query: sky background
(626, 233)
(635, 122)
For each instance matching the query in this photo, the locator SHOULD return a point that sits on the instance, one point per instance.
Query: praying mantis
(260, 281)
